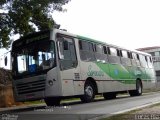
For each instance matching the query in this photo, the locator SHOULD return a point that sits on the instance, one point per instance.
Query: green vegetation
(117, 117)
(124, 116)
(154, 105)
(131, 115)
(34, 102)
(24, 16)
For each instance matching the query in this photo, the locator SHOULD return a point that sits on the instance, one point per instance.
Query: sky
(128, 23)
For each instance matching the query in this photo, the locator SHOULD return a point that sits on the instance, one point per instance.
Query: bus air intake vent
(30, 87)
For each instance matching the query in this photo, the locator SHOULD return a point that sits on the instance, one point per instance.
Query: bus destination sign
(28, 39)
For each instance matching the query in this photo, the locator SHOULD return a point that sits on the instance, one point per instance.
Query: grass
(123, 116)
(117, 117)
(131, 115)
(155, 105)
(34, 102)
(70, 99)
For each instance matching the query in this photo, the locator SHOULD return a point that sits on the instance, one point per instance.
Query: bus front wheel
(51, 101)
(89, 93)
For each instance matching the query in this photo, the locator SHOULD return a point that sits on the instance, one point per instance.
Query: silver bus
(54, 64)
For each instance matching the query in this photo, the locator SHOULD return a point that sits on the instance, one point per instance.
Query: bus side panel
(120, 74)
(99, 72)
(131, 81)
(150, 78)
(55, 89)
(143, 77)
(67, 78)
(78, 87)
(78, 80)
(107, 81)
(119, 77)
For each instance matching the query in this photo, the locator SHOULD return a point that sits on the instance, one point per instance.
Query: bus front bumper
(30, 96)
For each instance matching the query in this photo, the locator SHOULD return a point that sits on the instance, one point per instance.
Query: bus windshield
(34, 57)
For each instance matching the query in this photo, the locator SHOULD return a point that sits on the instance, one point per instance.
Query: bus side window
(99, 48)
(108, 49)
(113, 51)
(149, 60)
(100, 53)
(118, 52)
(143, 61)
(67, 53)
(137, 57)
(146, 58)
(65, 45)
(125, 59)
(113, 56)
(80, 44)
(60, 50)
(86, 50)
(138, 60)
(135, 60)
(105, 50)
(130, 55)
(124, 54)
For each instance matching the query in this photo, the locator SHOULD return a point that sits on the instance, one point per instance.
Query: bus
(54, 65)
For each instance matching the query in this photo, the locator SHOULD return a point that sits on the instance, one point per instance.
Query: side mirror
(5, 61)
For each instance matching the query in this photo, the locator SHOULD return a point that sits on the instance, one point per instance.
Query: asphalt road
(82, 111)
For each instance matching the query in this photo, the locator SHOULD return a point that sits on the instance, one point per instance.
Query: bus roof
(79, 37)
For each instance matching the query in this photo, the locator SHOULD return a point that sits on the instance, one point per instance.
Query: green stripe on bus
(128, 73)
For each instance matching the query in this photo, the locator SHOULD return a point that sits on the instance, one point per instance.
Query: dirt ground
(150, 113)
(6, 92)
(147, 113)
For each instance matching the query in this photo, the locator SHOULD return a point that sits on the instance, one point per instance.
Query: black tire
(109, 96)
(89, 93)
(51, 101)
(138, 90)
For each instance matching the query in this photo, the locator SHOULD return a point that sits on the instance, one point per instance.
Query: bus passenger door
(68, 64)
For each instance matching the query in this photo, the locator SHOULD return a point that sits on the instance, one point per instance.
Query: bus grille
(30, 87)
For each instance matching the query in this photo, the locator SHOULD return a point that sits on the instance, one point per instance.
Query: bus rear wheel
(89, 93)
(51, 101)
(138, 90)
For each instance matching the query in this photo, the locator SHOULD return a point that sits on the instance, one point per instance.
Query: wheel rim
(89, 91)
(139, 89)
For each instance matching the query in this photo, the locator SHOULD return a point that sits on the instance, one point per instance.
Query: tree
(21, 17)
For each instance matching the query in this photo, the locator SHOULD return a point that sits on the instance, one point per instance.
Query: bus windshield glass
(34, 57)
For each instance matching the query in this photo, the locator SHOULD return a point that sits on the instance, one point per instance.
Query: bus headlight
(50, 82)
